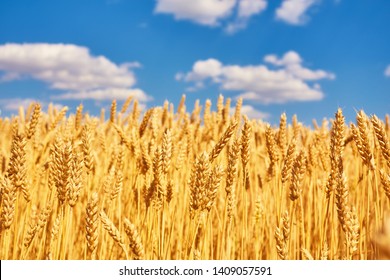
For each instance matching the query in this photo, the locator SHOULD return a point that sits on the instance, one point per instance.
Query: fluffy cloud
(206, 12)
(387, 71)
(292, 62)
(293, 11)
(252, 113)
(285, 80)
(204, 69)
(67, 67)
(246, 9)
(213, 12)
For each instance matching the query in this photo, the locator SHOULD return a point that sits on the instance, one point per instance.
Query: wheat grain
(92, 225)
(34, 121)
(8, 205)
(297, 173)
(79, 117)
(112, 230)
(223, 141)
(135, 240)
(113, 111)
(381, 135)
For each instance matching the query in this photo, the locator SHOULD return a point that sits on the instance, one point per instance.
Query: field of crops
(169, 183)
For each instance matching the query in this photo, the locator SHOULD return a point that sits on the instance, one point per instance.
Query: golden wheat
(196, 185)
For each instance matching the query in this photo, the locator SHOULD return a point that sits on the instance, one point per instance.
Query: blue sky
(304, 57)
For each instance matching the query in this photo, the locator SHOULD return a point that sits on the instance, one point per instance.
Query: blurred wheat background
(179, 185)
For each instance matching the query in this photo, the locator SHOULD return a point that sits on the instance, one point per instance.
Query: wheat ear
(135, 240)
(92, 225)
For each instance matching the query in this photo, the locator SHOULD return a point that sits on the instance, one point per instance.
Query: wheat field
(169, 184)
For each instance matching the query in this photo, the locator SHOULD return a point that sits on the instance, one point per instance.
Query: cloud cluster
(294, 11)
(233, 14)
(69, 68)
(285, 80)
(213, 12)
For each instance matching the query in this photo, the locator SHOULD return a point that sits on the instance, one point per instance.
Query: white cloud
(294, 11)
(233, 15)
(293, 64)
(288, 58)
(204, 69)
(248, 8)
(286, 80)
(205, 12)
(213, 12)
(65, 67)
(387, 71)
(252, 113)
